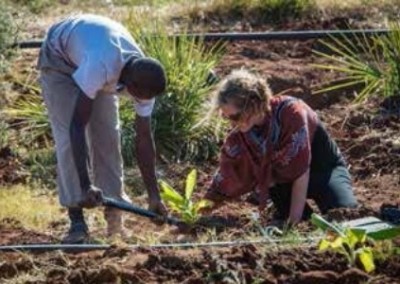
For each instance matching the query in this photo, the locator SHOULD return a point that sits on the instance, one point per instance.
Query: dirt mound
(247, 264)
(346, 214)
(10, 167)
(12, 232)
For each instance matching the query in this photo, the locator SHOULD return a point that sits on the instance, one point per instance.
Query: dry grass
(34, 209)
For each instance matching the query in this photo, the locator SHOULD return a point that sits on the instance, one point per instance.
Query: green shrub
(28, 115)
(41, 164)
(269, 11)
(187, 63)
(35, 6)
(279, 10)
(373, 63)
(8, 35)
(141, 2)
(126, 114)
(4, 134)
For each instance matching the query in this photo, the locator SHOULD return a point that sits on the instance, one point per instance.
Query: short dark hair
(145, 73)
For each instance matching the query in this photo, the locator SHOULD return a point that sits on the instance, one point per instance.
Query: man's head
(144, 77)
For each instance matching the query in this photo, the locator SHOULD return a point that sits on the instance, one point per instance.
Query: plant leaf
(323, 224)
(324, 244)
(190, 183)
(204, 203)
(367, 259)
(337, 243)
(170, 194)
(356, 236)
(174, 207)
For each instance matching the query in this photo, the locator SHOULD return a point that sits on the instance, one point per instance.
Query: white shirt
(99, 48)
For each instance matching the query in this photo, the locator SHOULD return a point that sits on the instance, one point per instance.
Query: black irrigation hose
(275, 35)
(89, 247)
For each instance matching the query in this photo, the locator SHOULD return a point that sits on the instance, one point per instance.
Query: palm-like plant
(28, 115)
(187, 62)
(373, 63)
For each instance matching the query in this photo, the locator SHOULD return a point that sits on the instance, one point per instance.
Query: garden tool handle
(126, 206)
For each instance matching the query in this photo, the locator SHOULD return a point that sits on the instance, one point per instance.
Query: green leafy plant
(28, 115)
(352, 243)
(4, 134)
(8, 35)
(35, 6)
(187, 62)
(126, 116)
(370, 64)
(41, 165)
(267, 11)
(187, 209)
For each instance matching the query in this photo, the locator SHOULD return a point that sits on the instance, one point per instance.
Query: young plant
(187, 209)
(350, 242)
(352, 245)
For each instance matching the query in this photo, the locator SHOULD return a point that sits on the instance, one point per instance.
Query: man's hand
(157, 206)
(93, 197)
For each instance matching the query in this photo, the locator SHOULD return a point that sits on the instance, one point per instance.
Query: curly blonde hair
(248, 92)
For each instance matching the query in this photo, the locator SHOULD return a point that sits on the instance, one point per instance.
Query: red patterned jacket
(278, 151)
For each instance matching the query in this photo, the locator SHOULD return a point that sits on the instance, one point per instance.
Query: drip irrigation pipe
(89, 247)
(274, 35)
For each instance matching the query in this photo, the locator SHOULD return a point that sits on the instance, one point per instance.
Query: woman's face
(243, 120)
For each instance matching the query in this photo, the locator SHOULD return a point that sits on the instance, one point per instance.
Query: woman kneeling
(279, 148)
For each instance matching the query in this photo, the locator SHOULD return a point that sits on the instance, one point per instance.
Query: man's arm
(80, 118)
(146, 157)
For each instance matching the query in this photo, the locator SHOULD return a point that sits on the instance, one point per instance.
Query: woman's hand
(208, 210)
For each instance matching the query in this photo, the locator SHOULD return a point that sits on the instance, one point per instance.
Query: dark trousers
(328, 189)
(330, 182)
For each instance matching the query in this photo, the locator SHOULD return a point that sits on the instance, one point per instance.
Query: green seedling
(353, 245)
(350, 242)
(183, 205)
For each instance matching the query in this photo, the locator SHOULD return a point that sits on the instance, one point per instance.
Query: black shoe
(78, 233)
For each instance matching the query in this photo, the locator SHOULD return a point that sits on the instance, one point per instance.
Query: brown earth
(368, 137)
(243, 264)
(9, 167)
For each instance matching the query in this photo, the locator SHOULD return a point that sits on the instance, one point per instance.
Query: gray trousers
(103, 132)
